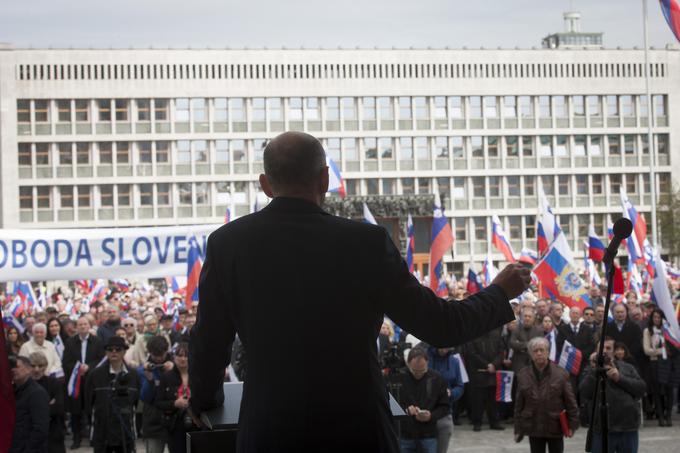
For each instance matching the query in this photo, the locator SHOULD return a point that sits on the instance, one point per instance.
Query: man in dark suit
(89, 351)
(627, 332)
(286, 276)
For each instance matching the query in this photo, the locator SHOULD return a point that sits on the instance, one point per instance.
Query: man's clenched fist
(514, 279)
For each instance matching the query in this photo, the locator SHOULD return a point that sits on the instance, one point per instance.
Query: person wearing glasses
(111, 394)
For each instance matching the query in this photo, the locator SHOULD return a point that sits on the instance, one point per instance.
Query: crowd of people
(114, 369)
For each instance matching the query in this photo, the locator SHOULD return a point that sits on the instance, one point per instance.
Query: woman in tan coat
(543, 392)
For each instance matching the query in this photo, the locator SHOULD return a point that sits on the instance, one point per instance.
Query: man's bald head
(293, 163)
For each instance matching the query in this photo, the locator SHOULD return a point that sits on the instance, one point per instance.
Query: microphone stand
(601, 374)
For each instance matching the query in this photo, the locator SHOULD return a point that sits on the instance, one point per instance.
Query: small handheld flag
(410, 243)
(474, 283)
(73, 387)
(504, 386)
(571, 358)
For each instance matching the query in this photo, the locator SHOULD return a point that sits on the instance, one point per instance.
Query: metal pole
(650, 137)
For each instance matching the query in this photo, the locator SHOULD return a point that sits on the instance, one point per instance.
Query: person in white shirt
(39, 343)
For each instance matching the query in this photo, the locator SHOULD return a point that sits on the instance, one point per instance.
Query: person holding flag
(543, 392)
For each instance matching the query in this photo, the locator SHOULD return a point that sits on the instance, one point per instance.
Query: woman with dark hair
(621, 352)
(14, 341)
(664, 369)
(54, 335)
(173, 399)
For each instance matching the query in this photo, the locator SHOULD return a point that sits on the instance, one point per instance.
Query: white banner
(73, 254)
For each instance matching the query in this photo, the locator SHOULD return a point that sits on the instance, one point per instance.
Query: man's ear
(266, 187)
(323, 183)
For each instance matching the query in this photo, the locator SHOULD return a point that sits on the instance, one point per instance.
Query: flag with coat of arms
(559, 280)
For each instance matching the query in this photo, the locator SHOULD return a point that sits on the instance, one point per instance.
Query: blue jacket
(448, 367)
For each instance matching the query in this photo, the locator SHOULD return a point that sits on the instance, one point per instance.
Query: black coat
(631, 336)
(55, 392)
(479, 354)
(93, 355)
(583, 340)
(427, 393)
(288, 275)
(112, 410)
(32, 419)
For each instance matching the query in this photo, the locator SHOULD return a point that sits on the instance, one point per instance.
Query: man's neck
(312, 198)
(116, 366)
(22, 382)
(83, 337)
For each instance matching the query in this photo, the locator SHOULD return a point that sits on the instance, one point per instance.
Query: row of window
(340, 150)
(333, 71)
(240, 192)
(201, 110)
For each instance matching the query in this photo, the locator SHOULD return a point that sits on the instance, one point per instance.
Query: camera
(392, 357)
(150, 366)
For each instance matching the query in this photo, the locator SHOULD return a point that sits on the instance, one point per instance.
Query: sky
(318, 23)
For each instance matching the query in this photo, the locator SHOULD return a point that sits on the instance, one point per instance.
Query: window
(544, 107)
(161, 109)
(583, 221)
(26, 197)
(596, 184)
(25, 154)
(332, 109)
(582, 184)
(84, 196)
(222, 151)
(459, 188)
(295, 109)
(64, 110)
(627, 107)
(643, 105)
(146, 194)
(562, 145)
(185, 193)
(614, 144)
(274, 109)
(477, 146)
(545, 147)
(82, 111)
(123, 152)
(183, 151)
(200, 151)
(199, 110)
(645, 183)
(182, 110)
(406, 148)
(44, 197)
(614, 184)
(560, 106)
(526, 109)
(83, 153)
(105, 153)
(221, 108)
(144, 150)
(441, 148)
(475, 106)
(238, 150)
(408, 186)
(333, 149)
(612, 106)
(41, 111)
(594, 107)
(104, 109)
(349, 111)
(513, 186)
(424, 186)
(162, 152)
(371, 186)
(530, 226)
(490, 107)
(349, 147)
(480, 228)
(629, 144)
(510, 107)
(492, 146)
(440, 107)
(312, 111)
(23, 111)
(460, 225)
(515, 227)
(478, 187)
(578, 105)
(258, 149)
(444, 186)
(456, 107)
(579, 145)
(385, 108)
(659, 105)
(106, 195)
(548, 183)
(351, 186)
(259, 109)
(122, 109)
(631, 183)
(527, 146)
(421, 108)
(143, 110)
(494, 186)
(202, 193)
(457, 147)
(388, 186)
(565, 224)
(405, 108)
(124, 198)
(529, 186)
(665, 183)
(563, 184)
(163, 194)
(595, 148)
(66, 196)
(422, 148)
(370, 148)
(662, 144)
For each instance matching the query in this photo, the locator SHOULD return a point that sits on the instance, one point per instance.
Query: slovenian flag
(552, 340)
(24, 290)
(661, 296)
(410, 243)
(442, 240)
(474, 282)
(634, 278)
(335, 182)
(73, 387)
(488, 270)
(368, 217)
(571, 358)
(560, 280)
(595, 246)
(193, 272)
(504, 386)
(227, 216)
(463, 371)
(671, 11)
(500, 240)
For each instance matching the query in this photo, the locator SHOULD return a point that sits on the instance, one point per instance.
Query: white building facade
(100, 138)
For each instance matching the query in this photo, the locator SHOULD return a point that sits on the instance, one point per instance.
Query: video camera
(392, 357)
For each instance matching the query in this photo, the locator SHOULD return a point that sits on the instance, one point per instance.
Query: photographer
(624, 390)
(111, 393)
(158, 362)
(172, 398)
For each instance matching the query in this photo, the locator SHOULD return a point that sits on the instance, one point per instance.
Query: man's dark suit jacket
(289, 279)
(93, 355)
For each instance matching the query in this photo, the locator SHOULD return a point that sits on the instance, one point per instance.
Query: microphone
(622, 230)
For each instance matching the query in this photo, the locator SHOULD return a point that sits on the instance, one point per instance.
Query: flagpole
(650, 137)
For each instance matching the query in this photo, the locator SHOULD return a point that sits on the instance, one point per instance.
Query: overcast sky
(318, 23)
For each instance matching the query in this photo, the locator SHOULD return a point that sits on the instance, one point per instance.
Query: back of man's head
(293, 162)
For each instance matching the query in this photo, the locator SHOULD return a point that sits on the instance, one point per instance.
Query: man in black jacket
(328, 274)
(627, 332)
(89, 351)
(423, 397)
(32, 411)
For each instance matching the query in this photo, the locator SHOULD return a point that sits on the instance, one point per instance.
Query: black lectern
(223, 423)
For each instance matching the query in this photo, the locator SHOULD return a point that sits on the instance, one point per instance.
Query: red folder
(564, 424)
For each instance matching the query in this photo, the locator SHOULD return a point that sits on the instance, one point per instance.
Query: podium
(223, 423)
